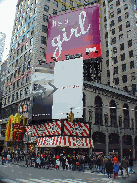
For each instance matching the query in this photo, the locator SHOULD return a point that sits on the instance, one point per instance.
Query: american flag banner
(63, 141)
(76, 129)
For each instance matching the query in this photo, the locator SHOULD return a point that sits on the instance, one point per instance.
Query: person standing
(131, 164)
(66, 163)
(57, 163)
(109, 167)
(115, 159)
(104, 164)
(63, 162)
(8, 157)
(125, 164)
(116, 169)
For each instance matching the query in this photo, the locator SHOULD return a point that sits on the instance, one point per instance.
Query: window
(64, 7)
(43, 40)
(42, 51)
(107, 63)
(45, 18)
(134, 87)
(127, 24)
(114, 50)
(115, 60)
(113, 31)
(46, 8)
(120, 27)
(112, 14)
(131, 64)
(116, 81)
(106, 35)
(123, 67)
(131, 53)
(108, 73)
(111, 6)
(126, 15)
(106, 43)
(124, 78)
(54, 12)
(31, 41)
(103, 3)
(112, 23)
(118, 3)
(44, 29)
(113, 40)
(120, 37)
(129, 43)
(115, 70)
(133, 76)
(56, 3)
(107, 53)
(118, 11)
(105, 26)
(105, 19)
(71, 3)
(121, 46)
(122, 56)
(119, 19)
(104, 10)
(125, 7)
(128, 33)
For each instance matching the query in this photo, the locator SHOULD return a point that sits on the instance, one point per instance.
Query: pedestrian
(57, 163)
(115, 159)
(66, 163)
(131, 164)
(63, 162)
(82, 164)
(116, 169)
(104, 164)
(38, 160)
(125, 164)
(74, 163)
(8, 157)
(109, 167)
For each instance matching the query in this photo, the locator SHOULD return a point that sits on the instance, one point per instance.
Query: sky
(7, 15)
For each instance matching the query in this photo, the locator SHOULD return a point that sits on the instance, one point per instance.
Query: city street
(17, 173)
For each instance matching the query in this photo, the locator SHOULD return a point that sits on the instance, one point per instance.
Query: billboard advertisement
(68, 78)
(74, 32)
(41, 100)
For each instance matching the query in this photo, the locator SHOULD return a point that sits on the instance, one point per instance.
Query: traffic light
(70, 117)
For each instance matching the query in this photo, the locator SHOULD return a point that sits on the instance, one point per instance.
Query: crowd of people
(97, 163)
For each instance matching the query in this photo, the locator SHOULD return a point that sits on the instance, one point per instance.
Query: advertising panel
(68, 78)
(74, 32)
(41, 100)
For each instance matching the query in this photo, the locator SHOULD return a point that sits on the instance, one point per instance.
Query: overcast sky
(7, 15)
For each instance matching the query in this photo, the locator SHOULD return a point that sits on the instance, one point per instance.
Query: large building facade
(110, 111)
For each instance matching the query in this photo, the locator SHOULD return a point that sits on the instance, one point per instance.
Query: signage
(74, 32)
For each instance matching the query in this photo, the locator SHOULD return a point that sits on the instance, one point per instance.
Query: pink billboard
(74, 32)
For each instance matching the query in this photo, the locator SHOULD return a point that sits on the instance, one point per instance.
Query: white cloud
(7, 15)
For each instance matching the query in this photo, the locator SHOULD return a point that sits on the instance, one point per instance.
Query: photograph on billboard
(41, 92)
(68, 78)
(74, 32)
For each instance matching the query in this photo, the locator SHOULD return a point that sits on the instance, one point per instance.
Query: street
(17, 173)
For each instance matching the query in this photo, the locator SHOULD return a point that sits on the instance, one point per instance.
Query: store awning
(65, 141)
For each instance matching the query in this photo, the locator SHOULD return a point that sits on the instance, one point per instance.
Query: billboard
(41, 100)
(74, 32)
(68, 78)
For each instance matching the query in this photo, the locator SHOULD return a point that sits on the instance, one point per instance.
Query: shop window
(123, 67)
(124, 78)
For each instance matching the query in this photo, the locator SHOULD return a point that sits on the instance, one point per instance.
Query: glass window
(106, 43)
(44, 29)
(54, 12)
(129, 43)
(118, 11)
(120, 27)
(111, 6)
(71, 3)
(123, 67)
(113, 40)
(103, 3)
(126, 15)
(45, 18)
(119, 19)
(124, 78)
(112, 14)
(118, 3)
(131, 64)
(107, 62)
(105, 19)
(107, 53)
(116, 81)
(113, 31)
(120, 37)
(108, 73)
(114, 50)
(115, 60)
(133, 76)
(128, 33)
(112, 23)
(115, 70)
(46, 8)
(125, 7)
(106, 35)
(127, 24)
(122, 56)
(131, 53)
(122, 46)
(43, 40)
(56, 3)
